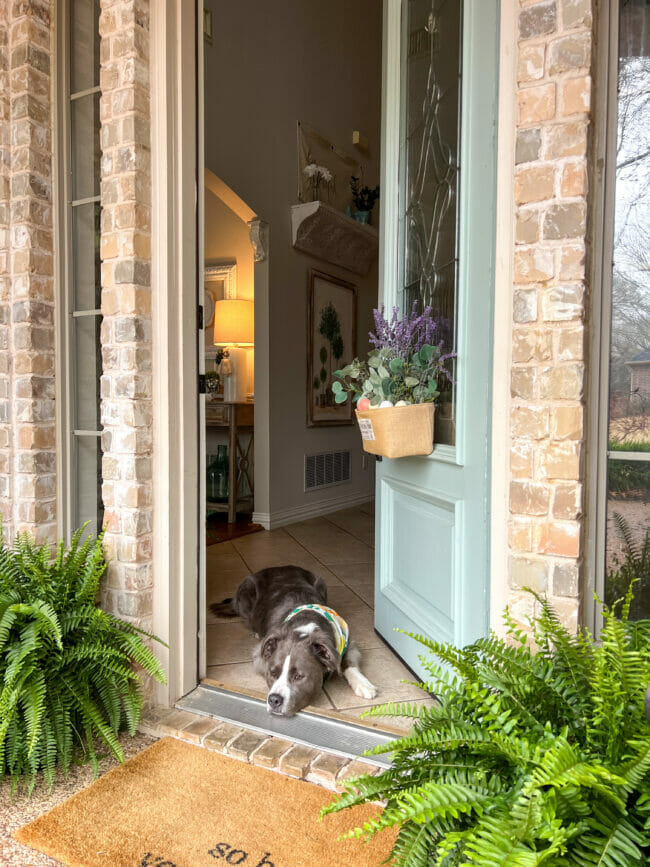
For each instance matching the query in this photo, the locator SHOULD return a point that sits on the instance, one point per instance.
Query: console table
(236, 418)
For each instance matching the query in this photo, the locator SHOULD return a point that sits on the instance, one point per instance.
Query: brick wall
(126, 385)
(27, 420)
(547, 376)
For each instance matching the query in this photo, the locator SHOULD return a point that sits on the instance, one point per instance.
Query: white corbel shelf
(325, 233)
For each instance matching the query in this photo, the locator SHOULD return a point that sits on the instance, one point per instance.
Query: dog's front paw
(365, 690)
(360, 684)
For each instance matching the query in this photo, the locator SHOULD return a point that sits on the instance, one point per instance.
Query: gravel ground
(20, 809)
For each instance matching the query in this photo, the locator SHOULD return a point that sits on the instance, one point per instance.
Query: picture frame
(219, 282)
(331, 344)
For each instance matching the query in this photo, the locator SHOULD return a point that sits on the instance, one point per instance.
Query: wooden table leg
(232, 482)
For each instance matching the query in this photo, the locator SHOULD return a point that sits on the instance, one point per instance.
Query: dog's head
(294, 663)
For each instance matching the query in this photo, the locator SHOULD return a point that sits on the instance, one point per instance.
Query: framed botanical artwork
(331, 344)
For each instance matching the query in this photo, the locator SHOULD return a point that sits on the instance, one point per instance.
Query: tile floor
(339, 547)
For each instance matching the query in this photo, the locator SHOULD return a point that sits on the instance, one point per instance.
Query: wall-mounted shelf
(325, 233)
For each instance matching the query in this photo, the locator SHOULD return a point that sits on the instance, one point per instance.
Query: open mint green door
(437, 241)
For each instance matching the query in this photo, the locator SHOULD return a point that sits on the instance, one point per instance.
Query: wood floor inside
(340, 548)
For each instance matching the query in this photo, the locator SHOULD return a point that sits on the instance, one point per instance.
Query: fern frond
(69, 672)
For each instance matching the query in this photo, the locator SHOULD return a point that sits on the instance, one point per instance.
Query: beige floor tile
(354, 573)
(219, 585)
(221, 547)
(329, 544)
(361, 525)
(385, 671)
(238, 675)
(362, 629)
(365, 590)
(228, 642)
(215, 552)
(345, 601)
(289, 556)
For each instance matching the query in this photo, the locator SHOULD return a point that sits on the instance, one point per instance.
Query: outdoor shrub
(528, 758)
(635, 567)
(628, 476)
(66, 666)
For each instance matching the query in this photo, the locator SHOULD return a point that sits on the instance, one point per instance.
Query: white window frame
(600, 277)
(64, 307)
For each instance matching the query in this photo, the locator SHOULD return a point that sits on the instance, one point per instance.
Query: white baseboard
(281, 517)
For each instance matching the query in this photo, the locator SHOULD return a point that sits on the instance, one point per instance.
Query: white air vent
(326, 468)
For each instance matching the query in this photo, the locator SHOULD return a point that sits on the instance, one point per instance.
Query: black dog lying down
(301, 639)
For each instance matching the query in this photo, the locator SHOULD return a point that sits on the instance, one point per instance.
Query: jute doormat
(179, 805)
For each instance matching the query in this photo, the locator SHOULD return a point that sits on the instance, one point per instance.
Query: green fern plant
(527, 758)
(635, 566)
(67, 678)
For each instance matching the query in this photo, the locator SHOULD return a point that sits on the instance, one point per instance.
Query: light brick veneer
(27, 420)
(288, 757)
(547, 376)
(126, 385)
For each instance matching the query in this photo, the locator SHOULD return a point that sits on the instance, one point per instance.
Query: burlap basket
(397, 431)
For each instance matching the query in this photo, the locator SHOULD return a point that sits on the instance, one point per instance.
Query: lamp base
(236, 386)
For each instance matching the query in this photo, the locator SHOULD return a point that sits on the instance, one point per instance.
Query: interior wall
(268, 66)
(226, 240)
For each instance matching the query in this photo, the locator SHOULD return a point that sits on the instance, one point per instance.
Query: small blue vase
(362, 216)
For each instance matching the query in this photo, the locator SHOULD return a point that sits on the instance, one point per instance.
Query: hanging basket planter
(397, 431)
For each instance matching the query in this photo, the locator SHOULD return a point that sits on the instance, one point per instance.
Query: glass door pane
(628, 466)
(430, 165)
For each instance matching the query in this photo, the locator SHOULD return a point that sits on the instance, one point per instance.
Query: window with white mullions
(81, 293)
(627, 549)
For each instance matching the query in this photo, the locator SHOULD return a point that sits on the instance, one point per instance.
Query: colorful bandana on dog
(341, 630)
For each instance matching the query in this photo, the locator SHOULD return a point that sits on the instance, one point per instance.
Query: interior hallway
(338, 547)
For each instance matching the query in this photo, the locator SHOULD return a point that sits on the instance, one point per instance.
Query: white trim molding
(502, 333)
(282, 517)
(175, 358)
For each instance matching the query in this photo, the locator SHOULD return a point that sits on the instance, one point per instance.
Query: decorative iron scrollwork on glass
(431, 160)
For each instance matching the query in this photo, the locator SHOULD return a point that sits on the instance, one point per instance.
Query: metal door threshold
(334, 735)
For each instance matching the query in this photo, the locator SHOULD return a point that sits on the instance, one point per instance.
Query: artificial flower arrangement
(363, 198)
(317, 175)
(403, 372)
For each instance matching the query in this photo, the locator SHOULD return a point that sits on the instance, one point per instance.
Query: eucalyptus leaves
(406, 366)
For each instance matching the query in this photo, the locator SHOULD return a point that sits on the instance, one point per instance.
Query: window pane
(88, 478)
(86, 262)
(87, 372)
(84, 43)
(628, 506)
(430, 165)
(85, 146)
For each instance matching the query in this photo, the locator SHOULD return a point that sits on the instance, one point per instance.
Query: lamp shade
(234, 323)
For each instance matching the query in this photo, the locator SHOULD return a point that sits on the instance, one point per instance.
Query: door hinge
(202, 388)
(199, 317)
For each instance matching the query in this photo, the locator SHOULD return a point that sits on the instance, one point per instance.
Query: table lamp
(234, 329)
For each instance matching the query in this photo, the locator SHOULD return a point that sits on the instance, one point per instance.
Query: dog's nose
(275, 700)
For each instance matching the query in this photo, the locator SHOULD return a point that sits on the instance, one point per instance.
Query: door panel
(437, 233)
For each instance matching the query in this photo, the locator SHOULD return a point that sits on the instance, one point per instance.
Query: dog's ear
(327, 656)
(268, 648)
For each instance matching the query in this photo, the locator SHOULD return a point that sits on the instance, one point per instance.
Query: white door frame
(502, 322)
(175, 246)
(175, 357)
